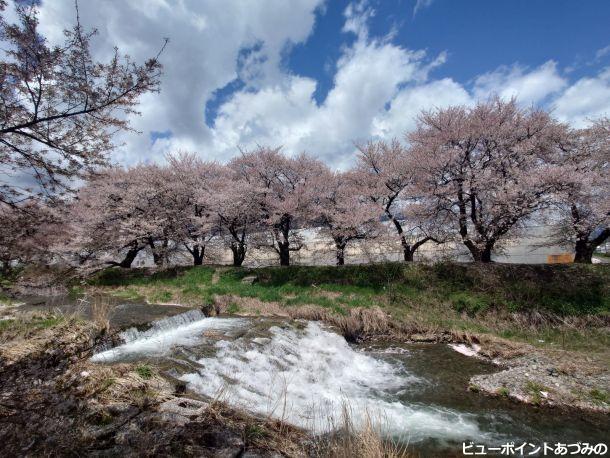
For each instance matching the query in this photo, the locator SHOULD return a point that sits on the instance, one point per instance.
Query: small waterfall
(307, 376)
(165, 324)
(183, 329)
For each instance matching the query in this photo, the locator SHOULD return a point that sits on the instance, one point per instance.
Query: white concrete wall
(319, 250)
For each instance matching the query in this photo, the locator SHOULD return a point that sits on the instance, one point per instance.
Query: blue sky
(317, 75)
(477, 35)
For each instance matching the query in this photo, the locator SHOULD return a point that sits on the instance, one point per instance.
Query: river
(306, 374)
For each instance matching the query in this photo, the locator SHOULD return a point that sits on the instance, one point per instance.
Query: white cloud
(205, 41)
(378, 88)
(420, 5)
(529, 87)
(602, 52)
(587, 98)
(402, 115)
(369, 76)
(356, 17)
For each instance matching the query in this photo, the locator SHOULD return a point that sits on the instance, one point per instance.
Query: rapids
(306, 374)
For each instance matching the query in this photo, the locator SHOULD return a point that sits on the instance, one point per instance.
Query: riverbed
(306, 374)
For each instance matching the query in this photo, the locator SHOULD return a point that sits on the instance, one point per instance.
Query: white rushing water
(307, 376)
(184, 329)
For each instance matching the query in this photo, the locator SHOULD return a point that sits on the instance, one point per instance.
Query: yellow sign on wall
(563, 258)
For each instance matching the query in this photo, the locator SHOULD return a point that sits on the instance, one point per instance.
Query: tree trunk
(406, 249)
(159, 255)
(239, 253)
(478, 254)
(284, 252)
(238, 245)
(340, 253)
(583, 252)
(282, 237)
(198, 252)
(409, 250)
(129, 258)
(408, 253)
(486, 254)
(585, 246)
(5, 268)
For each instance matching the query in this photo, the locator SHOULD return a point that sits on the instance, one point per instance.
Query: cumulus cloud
(206, 41)
(586, 99)
(402, 115)
(378, 88)
(370, 75)
(529, 87)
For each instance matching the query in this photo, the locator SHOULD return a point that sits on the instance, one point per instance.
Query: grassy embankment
(561, 306)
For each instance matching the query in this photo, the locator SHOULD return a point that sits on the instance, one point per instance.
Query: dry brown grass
(361, 323)
(32, 333)
(358, 324)
(117, 383)
(266, 434)
(364, 441)
(493, 346)
(249, 306)
(101, 310)
(534, 320)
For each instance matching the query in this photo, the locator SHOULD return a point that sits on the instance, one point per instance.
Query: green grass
(8, 278)
(535, 390)
(465, 297)
(7, 324)
(503, 392)
(6, 300)
(470, 288)
(75, 292)
(144, 371)
(600, 396)
(161, 296)
(254, 431)
(233, 308)
(470, 303)
(177, 276)
(107, 383)
(130, 294)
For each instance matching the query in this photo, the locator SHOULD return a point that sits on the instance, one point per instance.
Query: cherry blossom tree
(104, 219)
(27, 232)
(288, 186)
(59, 107)
(346, 214)
(386, 176)
(484, 168)
(582, 204)
(239, 201)
(191, 197)
(124, 211)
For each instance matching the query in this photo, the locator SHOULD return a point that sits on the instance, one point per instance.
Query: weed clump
(600, 396)
(144, 371)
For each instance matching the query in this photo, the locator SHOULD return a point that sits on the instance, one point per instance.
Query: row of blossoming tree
(477, 174)
(474, 174)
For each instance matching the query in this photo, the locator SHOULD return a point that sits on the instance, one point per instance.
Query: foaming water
(306, 377)
(184, 329)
